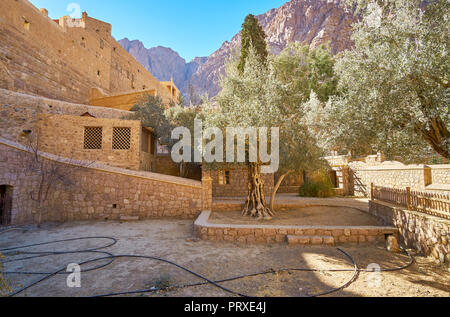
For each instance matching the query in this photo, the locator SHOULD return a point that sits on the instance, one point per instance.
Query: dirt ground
(174, 240)
(308, 216)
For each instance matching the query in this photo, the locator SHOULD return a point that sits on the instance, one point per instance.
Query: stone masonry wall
(19, 112)
(418, 177)
(238, 186)
(65, 58)
(64, 136)
(440, 174)
(427, 234)
(98, 192)
(254, 234)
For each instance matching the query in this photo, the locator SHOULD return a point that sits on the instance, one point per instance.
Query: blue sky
(190, 27)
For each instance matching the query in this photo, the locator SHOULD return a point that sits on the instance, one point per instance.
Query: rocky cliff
(311, 22)
(164, 63)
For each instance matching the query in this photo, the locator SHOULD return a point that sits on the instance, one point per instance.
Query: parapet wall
(98, 192)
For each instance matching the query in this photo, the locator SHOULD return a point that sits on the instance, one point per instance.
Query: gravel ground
(173, 240)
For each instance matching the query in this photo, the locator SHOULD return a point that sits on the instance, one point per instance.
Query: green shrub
(319, 186)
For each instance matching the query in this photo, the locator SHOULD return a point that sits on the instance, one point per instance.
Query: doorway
(5, 204)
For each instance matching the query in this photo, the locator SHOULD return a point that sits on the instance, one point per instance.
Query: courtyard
(174, 240)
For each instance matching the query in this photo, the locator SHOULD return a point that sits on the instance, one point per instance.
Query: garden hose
(110, 258)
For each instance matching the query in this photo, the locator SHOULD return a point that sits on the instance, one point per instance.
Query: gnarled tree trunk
(275, 190)
(256, 205)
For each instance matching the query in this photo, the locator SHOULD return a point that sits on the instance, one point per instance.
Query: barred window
(93, 138)
(224, 177)
(121, 138)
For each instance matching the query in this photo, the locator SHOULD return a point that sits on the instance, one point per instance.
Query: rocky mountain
(164, 63)
(311, 22)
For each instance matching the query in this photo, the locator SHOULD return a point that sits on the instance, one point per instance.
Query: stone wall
(427, 234)
(65, 58)
(64, 136)
(97, 192)
(440, 174)
(238, 186)
(418, 177)
(307, 235)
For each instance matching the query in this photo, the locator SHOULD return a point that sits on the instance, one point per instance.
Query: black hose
(111, 257)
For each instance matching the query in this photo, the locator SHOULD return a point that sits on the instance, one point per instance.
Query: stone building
(63, 59)
(121, 143)
(354, 176)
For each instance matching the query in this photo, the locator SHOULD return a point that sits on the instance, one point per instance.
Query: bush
(319, 186)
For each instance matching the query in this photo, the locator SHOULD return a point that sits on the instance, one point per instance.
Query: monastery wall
(65, 58)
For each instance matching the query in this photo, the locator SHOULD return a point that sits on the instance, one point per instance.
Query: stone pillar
(206, 191)
(427, 177)
(346, 180)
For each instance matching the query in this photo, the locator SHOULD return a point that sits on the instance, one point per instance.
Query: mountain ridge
(311, 22)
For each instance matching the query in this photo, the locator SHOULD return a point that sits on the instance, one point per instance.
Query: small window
(224, 178)
(121, 138)
(101, 44)
(98, 73)
(26, 25)
(93, 138)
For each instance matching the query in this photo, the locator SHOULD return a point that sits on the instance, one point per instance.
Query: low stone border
(278, 234)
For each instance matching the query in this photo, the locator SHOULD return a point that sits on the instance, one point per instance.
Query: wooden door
(5, 205)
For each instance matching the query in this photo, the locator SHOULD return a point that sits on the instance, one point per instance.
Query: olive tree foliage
(179, 116)
(305, 73)
(268, 95)
(394, 84)
(248, 99)
(150, 111)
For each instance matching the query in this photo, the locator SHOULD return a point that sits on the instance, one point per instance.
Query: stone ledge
(278, 234)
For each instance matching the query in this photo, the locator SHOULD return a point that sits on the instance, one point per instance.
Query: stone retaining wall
(428, 234)
(98, 192)
(277, 234)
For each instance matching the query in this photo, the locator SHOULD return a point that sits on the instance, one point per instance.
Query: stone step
(310, 240)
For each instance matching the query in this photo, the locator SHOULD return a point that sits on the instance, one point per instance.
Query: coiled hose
(110, 257)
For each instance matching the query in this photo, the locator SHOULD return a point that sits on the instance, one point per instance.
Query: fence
(430, 203)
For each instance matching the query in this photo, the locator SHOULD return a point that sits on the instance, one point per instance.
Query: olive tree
(394, 83)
